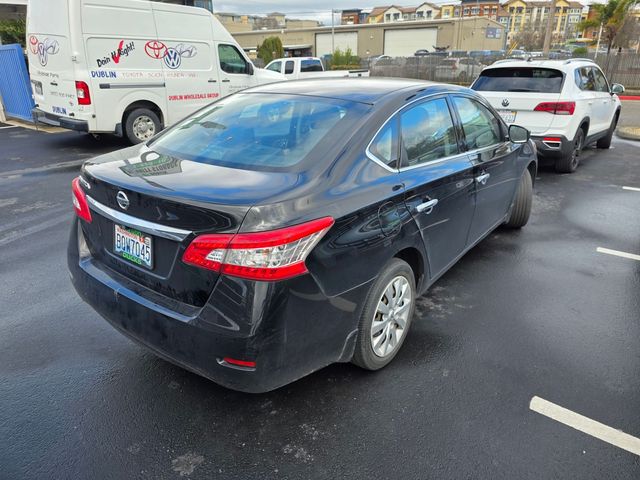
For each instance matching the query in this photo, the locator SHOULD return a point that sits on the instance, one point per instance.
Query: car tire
(521, 208)
(605, 142)
(570, 161)
(379, 338)
(141, 124)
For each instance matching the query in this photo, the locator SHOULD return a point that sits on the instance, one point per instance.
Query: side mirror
(249, 68)
(518, 134)
(616, 88)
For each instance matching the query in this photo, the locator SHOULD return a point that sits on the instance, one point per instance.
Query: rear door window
(600, 81)
(520, 79)
(288, 67)
(427, 133)
(481, 128)
(385, 146)
(311, 66)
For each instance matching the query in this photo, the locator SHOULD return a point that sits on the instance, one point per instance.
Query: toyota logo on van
(123, 200)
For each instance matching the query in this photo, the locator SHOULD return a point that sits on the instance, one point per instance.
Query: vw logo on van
(505, 103)
(172, 58)
(123, 200)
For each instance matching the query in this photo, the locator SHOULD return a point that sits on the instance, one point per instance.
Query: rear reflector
(80, 204)
(273, 255)
(239, 363)
(552, 139)
(82, 92)
(557, 108)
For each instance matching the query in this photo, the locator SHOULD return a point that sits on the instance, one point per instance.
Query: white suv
(566, 104)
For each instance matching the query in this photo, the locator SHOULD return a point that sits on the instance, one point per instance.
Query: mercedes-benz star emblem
(122, 200)
(505, 103)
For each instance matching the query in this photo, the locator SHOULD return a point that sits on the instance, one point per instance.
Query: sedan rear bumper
(289, 329)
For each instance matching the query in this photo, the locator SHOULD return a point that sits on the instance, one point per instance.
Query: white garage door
(342, 41)
(403, 43)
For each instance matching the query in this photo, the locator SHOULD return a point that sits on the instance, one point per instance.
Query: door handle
(211, 80)
(55, 84)
(482, 179)
(427, 207)
(226, 80)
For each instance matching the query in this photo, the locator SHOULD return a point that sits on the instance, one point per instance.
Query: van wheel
(569, 162)
(141, 125)
(521, 208)
(386, 317)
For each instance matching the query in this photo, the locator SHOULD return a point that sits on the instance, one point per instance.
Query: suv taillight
(273, 255)
(557, 108)
(82, 92)
(80, 204)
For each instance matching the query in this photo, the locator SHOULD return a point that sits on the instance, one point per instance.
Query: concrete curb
(629, 133)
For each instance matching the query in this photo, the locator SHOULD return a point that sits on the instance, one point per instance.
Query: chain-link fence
(462, 68)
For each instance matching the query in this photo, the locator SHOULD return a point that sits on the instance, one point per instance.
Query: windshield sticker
(172, 56)
(115, 56)
(43, 49)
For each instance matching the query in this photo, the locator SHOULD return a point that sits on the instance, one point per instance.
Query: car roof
(542, 63)
(364, 90)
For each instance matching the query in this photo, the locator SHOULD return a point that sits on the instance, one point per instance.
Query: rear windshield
(259, 132)
(520, 79)
(311, 66)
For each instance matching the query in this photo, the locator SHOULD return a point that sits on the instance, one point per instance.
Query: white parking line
(618, 253)
(596, 429)
(633, 189)
(10, 126)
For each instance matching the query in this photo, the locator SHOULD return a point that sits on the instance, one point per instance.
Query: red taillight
(239, 363)
(272, 255)
(80, 204)
(557, 108)
(82, 92)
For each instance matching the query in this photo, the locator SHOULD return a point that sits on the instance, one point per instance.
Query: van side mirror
(518, 134)
(616, 88)
(249, 70)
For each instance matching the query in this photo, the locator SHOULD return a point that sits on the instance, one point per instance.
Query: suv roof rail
(579, 60)
(505, 60)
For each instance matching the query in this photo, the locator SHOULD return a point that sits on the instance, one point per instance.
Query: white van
(130, 67)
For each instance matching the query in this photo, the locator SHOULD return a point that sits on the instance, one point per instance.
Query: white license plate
(133, 245)
(509, 116)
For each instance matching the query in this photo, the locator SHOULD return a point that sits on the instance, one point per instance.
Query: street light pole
(598, 44)
(333, 34)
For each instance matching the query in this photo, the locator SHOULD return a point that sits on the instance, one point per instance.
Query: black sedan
(293, 225)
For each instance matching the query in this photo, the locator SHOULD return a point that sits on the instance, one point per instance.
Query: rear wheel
(569, 162)
(521, 209)
(141, 125)
(605, 142)
(386, 316)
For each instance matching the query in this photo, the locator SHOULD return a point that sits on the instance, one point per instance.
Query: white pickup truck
(295, 68)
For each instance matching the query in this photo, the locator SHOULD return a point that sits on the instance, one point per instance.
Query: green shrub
(13, 31)
(580, 52)
(271, 48)
(344, 60)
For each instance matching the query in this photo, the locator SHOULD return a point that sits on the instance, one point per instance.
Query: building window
(429, 14)
(396, 16)
(475, 10)
(387, 17)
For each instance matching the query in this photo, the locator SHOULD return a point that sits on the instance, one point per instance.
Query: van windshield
(259, 131)
(519, 79)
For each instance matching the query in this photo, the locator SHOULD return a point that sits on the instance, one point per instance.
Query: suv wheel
(605, 142)
(570, 161)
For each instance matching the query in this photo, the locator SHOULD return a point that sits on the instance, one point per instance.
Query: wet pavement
(537, 312)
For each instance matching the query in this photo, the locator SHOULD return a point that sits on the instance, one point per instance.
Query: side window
(311, 66)
(600, 81)
(385, 145)
(231, 61)
(481, 128)
(585, 79)
(288, 67)
(427, 133)
(275, 67)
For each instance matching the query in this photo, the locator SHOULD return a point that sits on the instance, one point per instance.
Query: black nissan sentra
(294, 225)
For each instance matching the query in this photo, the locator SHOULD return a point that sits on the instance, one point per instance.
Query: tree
(13, 31)
(529, 39)
(344, 60)
(271, 48)
(611, 16)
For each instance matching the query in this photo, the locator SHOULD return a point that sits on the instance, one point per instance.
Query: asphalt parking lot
(534, 313)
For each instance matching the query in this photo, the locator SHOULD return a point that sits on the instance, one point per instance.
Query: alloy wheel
(391, 316)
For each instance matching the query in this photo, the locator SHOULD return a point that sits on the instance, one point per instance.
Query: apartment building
(532, 15)
(390, 14)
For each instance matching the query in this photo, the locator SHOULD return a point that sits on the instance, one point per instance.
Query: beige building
(395, 39)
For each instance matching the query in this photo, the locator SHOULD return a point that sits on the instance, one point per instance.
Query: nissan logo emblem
(123, 200)
(505, 103)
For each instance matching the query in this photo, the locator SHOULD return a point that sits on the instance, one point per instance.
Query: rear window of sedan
(259, 131)
(520, 79)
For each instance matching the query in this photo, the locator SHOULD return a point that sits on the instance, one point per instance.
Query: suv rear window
(259, 131)
(519, 79)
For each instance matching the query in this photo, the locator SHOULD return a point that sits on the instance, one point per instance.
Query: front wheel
(570, 161)
(521, 208)
(386, 317)
(141, 125)
(605, 142)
